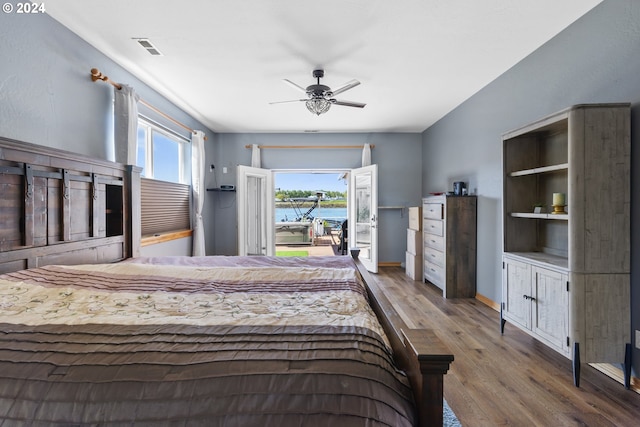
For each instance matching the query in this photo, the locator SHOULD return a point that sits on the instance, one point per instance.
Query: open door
(256, 226)
(363, 215)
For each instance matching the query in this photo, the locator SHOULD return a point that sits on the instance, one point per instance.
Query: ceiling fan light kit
(318, 106)
(320, 97)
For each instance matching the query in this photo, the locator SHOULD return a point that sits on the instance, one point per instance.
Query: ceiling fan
(320, 97)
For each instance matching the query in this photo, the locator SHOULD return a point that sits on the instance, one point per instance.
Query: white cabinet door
(551, 308)
(516, 292)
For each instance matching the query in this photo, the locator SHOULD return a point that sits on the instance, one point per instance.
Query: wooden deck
(322, 246)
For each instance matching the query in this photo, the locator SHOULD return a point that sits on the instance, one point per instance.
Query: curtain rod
(97, 75)
(313, 147)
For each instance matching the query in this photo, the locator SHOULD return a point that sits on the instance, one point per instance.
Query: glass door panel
(255, 211)
(363, 221)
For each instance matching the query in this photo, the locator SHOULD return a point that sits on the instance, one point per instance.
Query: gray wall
(597, 59)
(398, 156)
(172, 247)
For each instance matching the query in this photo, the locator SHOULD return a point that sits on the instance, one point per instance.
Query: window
(160, 153)
(165, 194)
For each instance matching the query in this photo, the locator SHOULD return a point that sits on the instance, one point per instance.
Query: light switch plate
(637, 339)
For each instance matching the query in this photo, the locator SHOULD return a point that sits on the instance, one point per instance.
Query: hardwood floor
(510, 379)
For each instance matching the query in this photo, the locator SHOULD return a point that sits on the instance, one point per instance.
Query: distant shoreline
(323, 204)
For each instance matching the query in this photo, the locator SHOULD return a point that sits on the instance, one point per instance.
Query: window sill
(165, 237)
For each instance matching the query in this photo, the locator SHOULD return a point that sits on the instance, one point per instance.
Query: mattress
(216, 341)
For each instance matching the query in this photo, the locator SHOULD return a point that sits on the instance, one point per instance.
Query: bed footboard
(428, 359)
(419, 352)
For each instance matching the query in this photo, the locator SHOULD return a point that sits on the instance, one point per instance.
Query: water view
(332, 214)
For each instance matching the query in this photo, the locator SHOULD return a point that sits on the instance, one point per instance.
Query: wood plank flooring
(510, 379)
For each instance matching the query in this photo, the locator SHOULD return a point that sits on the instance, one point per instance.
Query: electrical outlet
(637, 338)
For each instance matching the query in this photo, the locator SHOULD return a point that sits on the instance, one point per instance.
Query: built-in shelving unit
(566, 276)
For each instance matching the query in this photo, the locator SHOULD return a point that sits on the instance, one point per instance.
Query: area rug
(292, 253)
(449, 419)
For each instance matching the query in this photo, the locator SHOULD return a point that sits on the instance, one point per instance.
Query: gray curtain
(198, 190)
(125, 123)
(255, 156)
(366, 155)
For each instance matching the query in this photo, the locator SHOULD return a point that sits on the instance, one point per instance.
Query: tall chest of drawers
(449, 238)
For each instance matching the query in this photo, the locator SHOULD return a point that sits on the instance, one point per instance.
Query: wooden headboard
(58, 207)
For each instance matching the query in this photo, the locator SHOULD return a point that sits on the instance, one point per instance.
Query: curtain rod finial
(97, 75)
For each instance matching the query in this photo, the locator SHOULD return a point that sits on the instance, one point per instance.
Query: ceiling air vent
(149, 47)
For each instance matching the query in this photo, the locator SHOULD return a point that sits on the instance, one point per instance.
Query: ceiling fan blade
(283, 102)
(348, 103)
(295, 86)
(345, 87)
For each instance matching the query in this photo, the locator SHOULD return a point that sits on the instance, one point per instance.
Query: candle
(558, 199)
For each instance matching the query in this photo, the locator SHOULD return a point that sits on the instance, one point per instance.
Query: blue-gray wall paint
(597, 59)
(399, 160)
(172, 247)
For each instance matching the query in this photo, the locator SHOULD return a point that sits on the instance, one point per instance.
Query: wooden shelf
(544, 169)
(562, 217)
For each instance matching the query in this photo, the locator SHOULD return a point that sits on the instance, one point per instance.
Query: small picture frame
(538, 209)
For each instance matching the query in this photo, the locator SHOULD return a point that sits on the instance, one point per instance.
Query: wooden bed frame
(62, 208)
(59, 207)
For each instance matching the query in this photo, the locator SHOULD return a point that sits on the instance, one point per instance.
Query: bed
(92, 334)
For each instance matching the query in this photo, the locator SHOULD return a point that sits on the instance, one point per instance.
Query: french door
(256, 225)
(363, 215)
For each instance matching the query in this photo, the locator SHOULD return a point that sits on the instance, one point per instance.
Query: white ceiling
(225, 60)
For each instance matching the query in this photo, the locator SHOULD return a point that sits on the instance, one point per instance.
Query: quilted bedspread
(215, 341)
